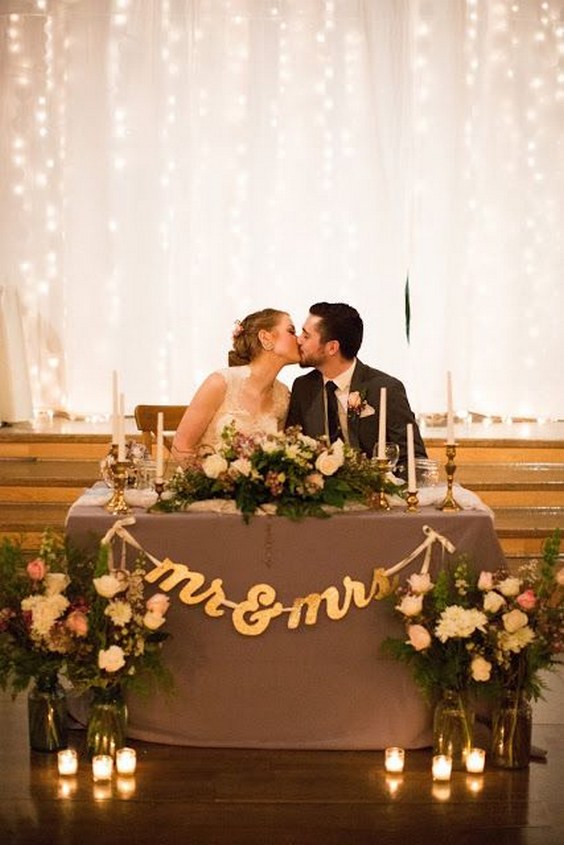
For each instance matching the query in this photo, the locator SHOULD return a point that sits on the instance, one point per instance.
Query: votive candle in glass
(67, 761)
(126, 761)
(475, 761)
(442, 767)
(394, 759)
(102, 767)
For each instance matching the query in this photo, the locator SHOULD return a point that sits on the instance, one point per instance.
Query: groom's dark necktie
(332, 412)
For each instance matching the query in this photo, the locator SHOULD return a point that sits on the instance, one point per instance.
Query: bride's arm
(198, 416)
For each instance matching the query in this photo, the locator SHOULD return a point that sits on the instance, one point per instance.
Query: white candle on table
(442, 767)
(382, 426)
(160, 445)
(475, 760)
(411, 478)
(115, 407)
(102, 767)
(394, 759)
(67, 761)
(126, 761)
(121, 430)
(450, 414)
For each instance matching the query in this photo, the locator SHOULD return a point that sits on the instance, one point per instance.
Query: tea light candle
(382, 425)
(442, 767)
(102, 767)
(475, 760)
(394, 759)
(126, 761)
(67, 761)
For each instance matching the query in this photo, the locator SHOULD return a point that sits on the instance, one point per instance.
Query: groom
(330, 339)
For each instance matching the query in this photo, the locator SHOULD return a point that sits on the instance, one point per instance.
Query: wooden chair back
(146, 420)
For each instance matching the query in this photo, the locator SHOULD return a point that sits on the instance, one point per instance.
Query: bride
(247, 392)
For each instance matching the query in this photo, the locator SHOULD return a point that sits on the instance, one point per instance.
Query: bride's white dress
(233, 410)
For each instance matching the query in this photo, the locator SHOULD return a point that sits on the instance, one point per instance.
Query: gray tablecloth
(326, 686)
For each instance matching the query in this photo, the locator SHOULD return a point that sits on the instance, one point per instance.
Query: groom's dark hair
(340, 322)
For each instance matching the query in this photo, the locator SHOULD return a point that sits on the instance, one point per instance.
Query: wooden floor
(201, 796)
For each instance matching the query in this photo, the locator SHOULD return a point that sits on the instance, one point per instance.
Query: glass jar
(453, 727)
(512, 727)
(47, 715)
(107, 721)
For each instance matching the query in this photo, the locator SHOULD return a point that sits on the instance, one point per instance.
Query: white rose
(485, 581)
(481, 669)
(410, 605)
(493, 601)
(214, 465)
(509, 587)
(420, 582)
(514, 620)
(108, 586)
(241, 466)
(111, 659)
(419, 637)
(55, 582)
(153, 620)
(329, 462)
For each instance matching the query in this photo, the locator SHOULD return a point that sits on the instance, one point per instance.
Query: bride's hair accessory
(237, 329)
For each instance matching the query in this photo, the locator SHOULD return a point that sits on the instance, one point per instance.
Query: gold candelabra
(412, 501)
(449, 503)
(117, 504)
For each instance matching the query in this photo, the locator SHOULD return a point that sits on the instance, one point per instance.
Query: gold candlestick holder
(412, 500)
(159, 488)
(449, 503)
(117, 504)
(379, 500)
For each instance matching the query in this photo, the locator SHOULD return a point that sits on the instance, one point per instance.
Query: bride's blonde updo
(246, 343)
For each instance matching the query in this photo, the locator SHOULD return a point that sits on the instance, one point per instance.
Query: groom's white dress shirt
(343, 382)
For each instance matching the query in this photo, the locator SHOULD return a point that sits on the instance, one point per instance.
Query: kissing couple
(338, 398)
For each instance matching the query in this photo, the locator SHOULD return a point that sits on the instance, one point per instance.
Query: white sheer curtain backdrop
(169, 166)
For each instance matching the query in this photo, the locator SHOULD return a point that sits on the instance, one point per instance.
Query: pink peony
(77, 623)
(36, 569)
(527, 600)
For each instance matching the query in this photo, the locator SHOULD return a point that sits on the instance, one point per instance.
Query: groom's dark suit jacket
(307, 410)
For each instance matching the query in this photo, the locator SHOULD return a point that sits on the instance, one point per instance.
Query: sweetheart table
(323, 685)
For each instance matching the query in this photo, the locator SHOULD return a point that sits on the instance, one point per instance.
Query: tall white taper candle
(115, 409)
(450, 414)
(382, 425)
(160, 445)
(121, 430)
(411, 478)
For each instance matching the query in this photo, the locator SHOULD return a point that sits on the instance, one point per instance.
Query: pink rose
(77, 623)
(485, 581)
(419, 637)
(36, 569)
(527, 600)
(158, 603)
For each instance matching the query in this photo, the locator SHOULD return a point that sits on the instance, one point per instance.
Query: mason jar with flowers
(40, 630)
(121, 648)
(525, 635)
(443, 631)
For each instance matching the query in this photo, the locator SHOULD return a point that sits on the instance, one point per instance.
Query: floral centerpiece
(287, 473)
(65, 616)
(482, 632)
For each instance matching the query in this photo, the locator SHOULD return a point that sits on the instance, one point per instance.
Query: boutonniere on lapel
(357, 406)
